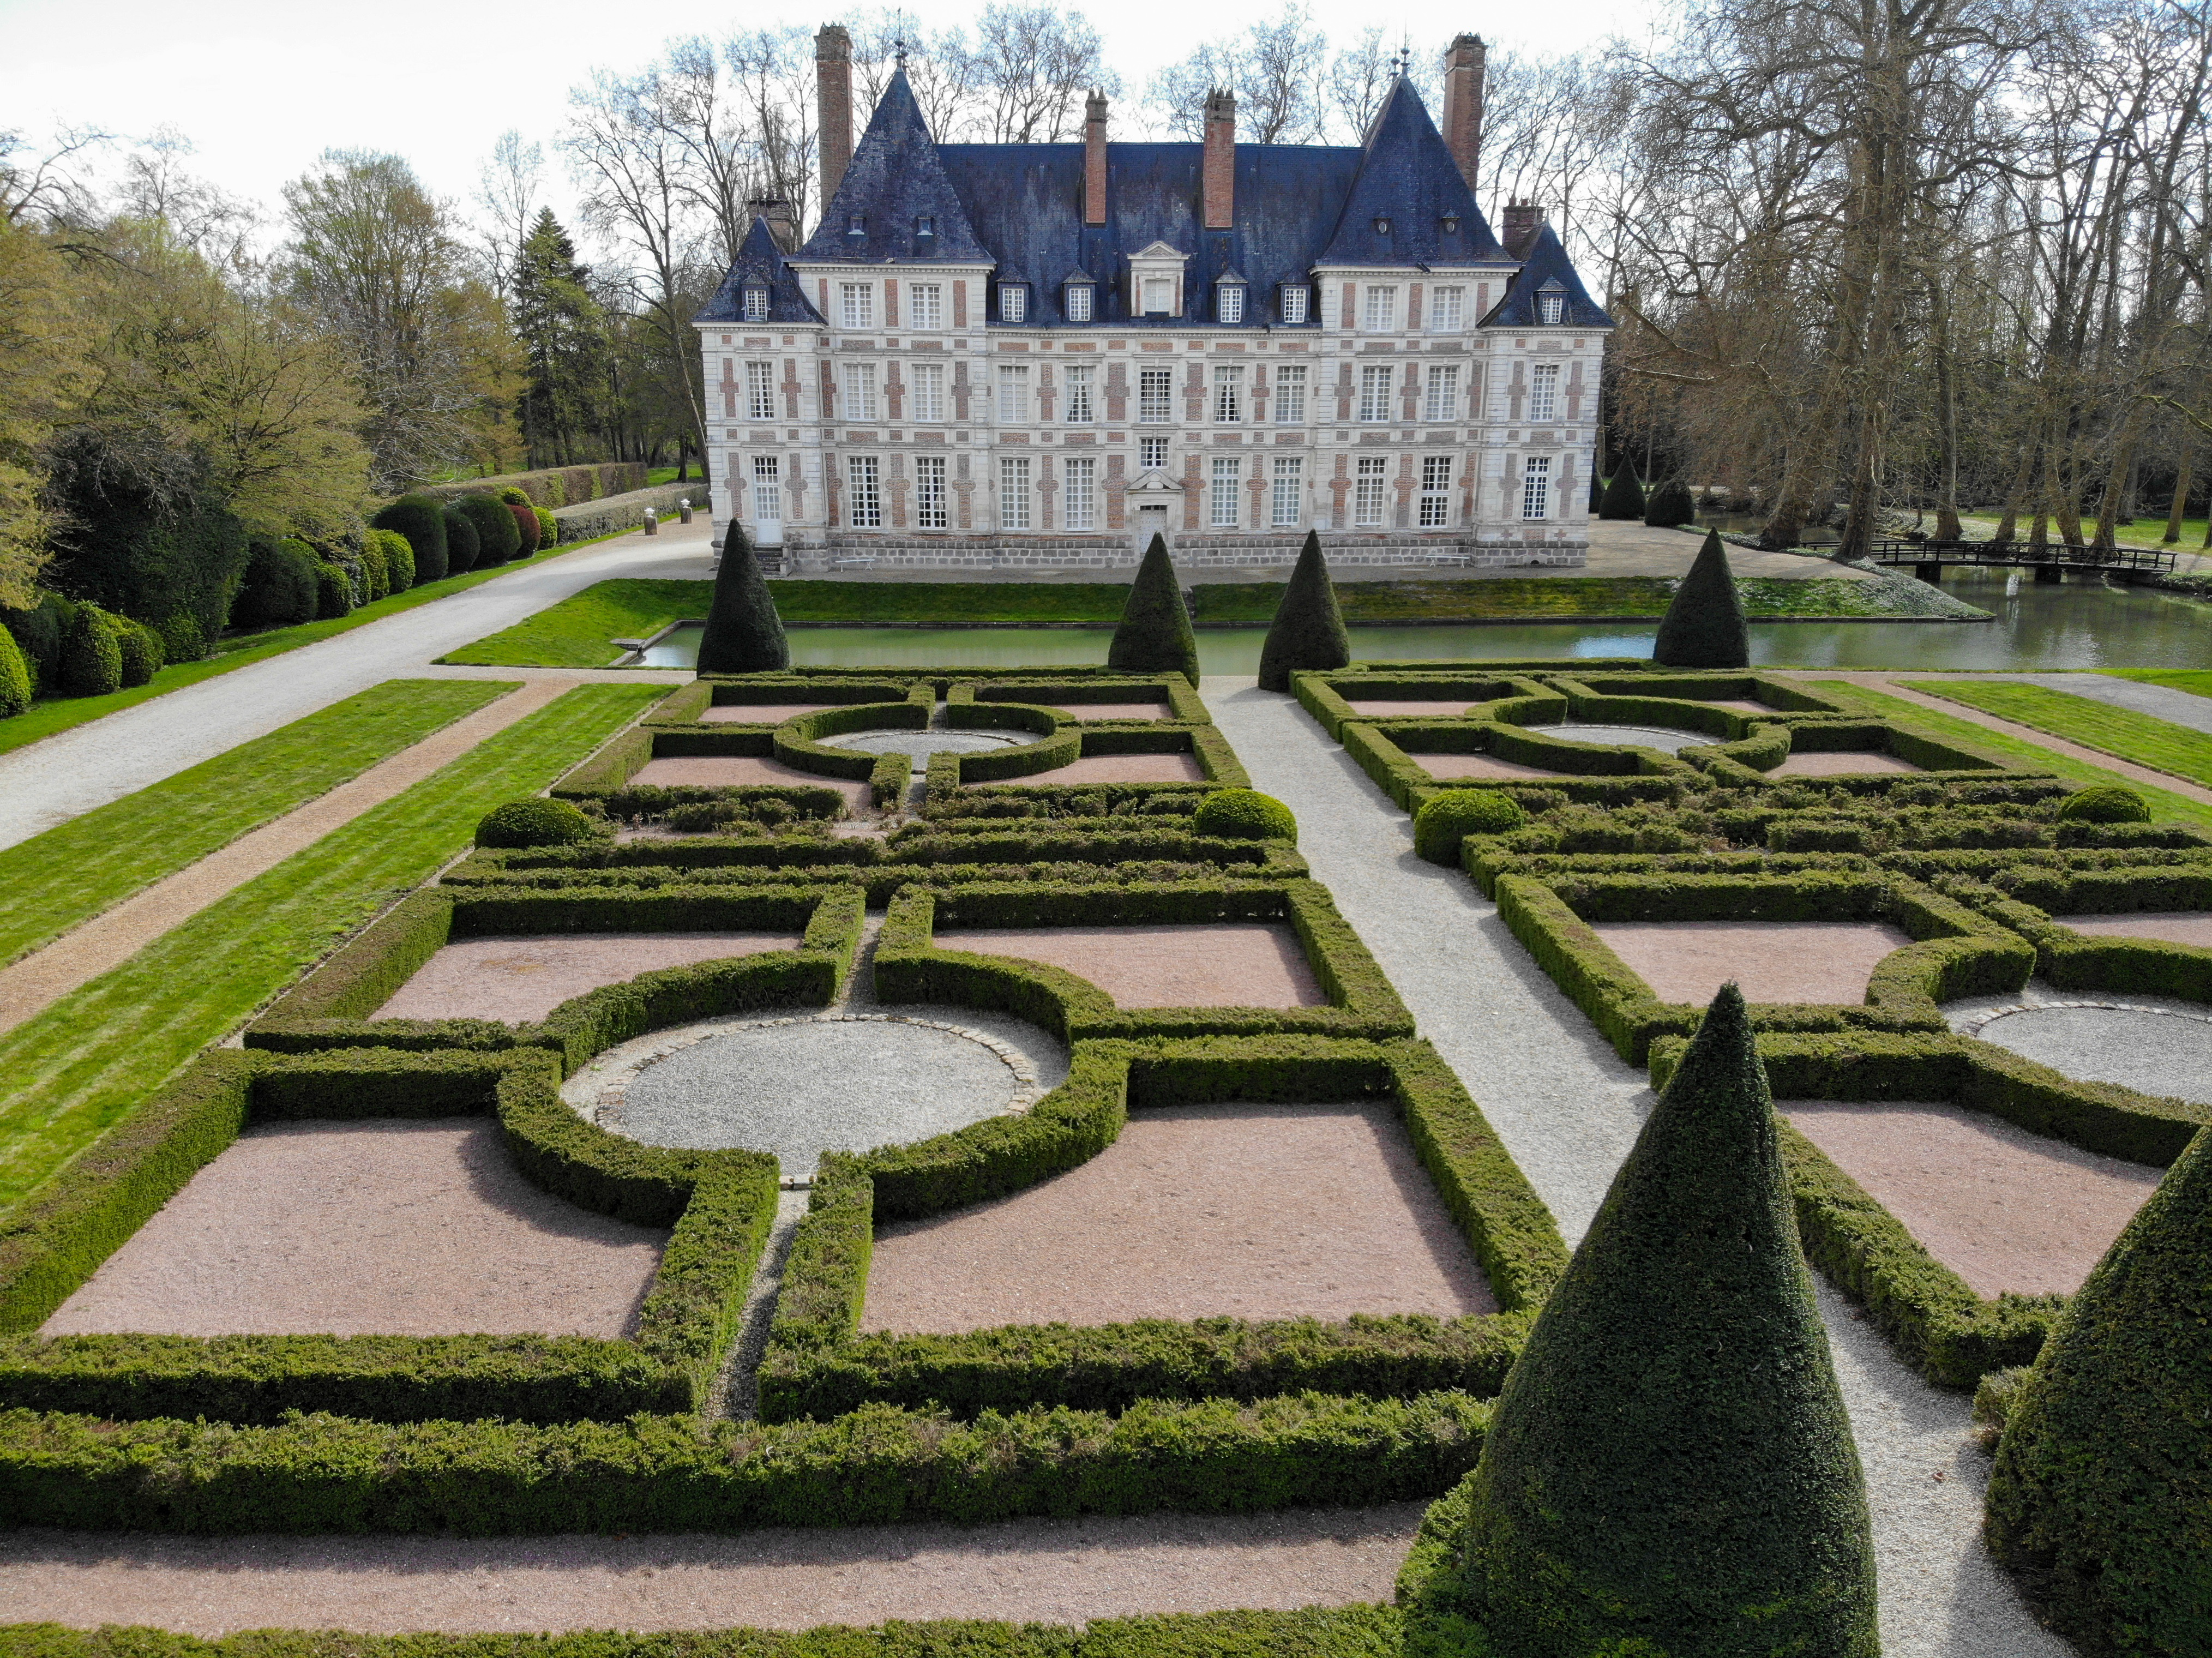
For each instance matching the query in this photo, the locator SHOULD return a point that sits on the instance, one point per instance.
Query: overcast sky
(262, 87)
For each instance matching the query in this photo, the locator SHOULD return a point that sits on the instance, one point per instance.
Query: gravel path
(2162, 701)
(1568, 1109)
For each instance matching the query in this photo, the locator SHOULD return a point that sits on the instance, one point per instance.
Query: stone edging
(1973, 1027)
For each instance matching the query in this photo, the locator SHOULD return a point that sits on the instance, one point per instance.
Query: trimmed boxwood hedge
(2080, 961)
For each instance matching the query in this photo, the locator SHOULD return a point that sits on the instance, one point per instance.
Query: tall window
(1081, 511)
(1367, 490)
(1443, 393)
(1155, 396)
(1013, 394)
(925, 306)
(857, 309)
(1222, 498)
(864, 500)
(860, 392)
(1294, 303)
(1152, 453)
(1013, 302)
(1447, 310)
(756, 304)
(1229, 301)
(1290, 395)
(767, 495)
(1544, 391)
(1079, 302)
(1382, 314)
(1374, 392)
(1081, 409)
(1158, 296)
(1436, 491)
(1550, 309)
(929, 492)
(760, 390)
(1014, 493)
(1228, 396)
(1288, 502)
(929, 390)
(1536, 487)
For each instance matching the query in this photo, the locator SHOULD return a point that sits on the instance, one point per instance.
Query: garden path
(2160, 701)
(1568, 1108)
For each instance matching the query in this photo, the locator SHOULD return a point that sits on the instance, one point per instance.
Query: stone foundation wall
(814, 553)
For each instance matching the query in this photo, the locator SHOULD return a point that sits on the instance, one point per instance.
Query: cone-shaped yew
(744, 632)
(1670, 1471)
(1155, 635)
(1308, 631)
(1704, 627)
(1623, 495)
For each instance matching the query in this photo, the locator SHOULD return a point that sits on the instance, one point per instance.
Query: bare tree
(1276, 70)
(1031, 64)
(507, 191)
(772, 78)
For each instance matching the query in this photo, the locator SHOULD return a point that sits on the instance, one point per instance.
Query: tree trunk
(2179, 510)
(1948, 527)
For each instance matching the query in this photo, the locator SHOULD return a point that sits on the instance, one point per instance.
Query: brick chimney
(781, 223)
(1221, 178)
(1094, 159)
(1522, 221)
(1464, 61)
(833, 82)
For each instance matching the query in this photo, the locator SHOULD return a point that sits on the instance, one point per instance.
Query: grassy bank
(74, 871)
(74, 1070)
(2143, 738)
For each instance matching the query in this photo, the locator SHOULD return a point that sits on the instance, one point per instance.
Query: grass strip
(2197, 682)
(83, 1063)
(76, 870)
(2124, 734)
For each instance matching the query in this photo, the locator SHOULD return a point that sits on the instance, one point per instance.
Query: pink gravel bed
(391, 1227)
(721, 770)
(1059, 1572)
(1116, 710)
(760, 712)
(1221, 964)
(1382, 707)
(1841, 763)
(1739, 704)
(2175, 926)
(516, 978)
(2004, 1209)
(1773, 961)
(1197, 1211)
(1125, 768)
(1478, 765)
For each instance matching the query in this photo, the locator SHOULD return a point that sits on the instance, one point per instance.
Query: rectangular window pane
(1447, 308)
(1289, 496)
(1536, 487)
(1079, 302)
(1013, 303)
(1381, 310)
(860, 392)
(1294, 305)
(925, 305)
(1081, 410)
(1228, 396)
(1160, 295)
(768, 496)
(1443, 393)
(864, 504)
(760, 390)
(756, 304)
(1544, 391)
(1232, 302)
(1367, 490)
(1014, 493)
(1374, 392)
(1152, 453)
(1155, 396)
(1013, 395)
(929, 492)
(1436, 491)
(859, 309)
(1082, 511)
(1223, 498)
(1550, 309)
(929, 391)
(1291, 397)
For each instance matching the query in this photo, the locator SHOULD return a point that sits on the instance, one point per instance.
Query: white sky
(261, 88)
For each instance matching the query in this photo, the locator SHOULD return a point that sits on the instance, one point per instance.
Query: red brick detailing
(1339, 492)
(791, 388)
(1192, 488)
(1117, 512)
(1344, 385)
(1349, 314)
(960, 390)
(1464, 68)
(833, 85)
(960, 305)
(1406, 488)
(1413, 307)
(894, 391)
(1220, 175)
(1094, 159)
(890, 302)
(1413, 393)
(1521, 221)
(1117, 392)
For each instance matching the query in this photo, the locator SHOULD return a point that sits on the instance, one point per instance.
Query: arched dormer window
(756, 304)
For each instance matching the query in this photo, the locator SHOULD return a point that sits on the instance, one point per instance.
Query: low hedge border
(1936, 1322)
(1594, 776)
(1069, 695)
(2082, 961)
(1784, 696)
(819, 1364)
(1327, 695)
(687, 705)
(955, 792)
(604, 780)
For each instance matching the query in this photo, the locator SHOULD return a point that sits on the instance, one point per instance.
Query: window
(1294, 303)
(768, 496)
(756, 304)
(864, 502)
(1544, 391)
(860, 392)
(1079, 301)
(1536, 487)
(1436, 491)
(856, 224)
(857, 309)
(925, 224)
(1229, 301)
(925, 306)
(1381, 310)
(1013, 302)
(1222, 498)
(1290, 496)
(1550, 309)
(929, 492)
(1160, 295)
(760, 390)
(1443, 393)
(1291, 396)
(1152, 454)
(1081, 511)
(1367, 490)
(1155, 396)
(1447, 310)
(1228, 396)
(1014, 493)
(929, 390)
(1374, 392)
(1081, 409)
(1013, 394)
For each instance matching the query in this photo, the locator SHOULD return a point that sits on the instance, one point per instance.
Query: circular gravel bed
(2154, 1050)
(1645, 736)
(923, 743)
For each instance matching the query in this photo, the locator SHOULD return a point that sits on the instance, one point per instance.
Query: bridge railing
(2066, 555)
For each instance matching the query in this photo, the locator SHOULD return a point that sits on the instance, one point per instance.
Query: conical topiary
(1308, 631)
(1670, 1471)
(1704, 627)
(1623, 495)
(1155, 634)
(1671, 505)
(2101, 1498)
(744, 632)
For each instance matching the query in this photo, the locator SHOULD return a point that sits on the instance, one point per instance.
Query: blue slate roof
(1547, 270)
(1408, 181)
(759, 264)
(895, 181)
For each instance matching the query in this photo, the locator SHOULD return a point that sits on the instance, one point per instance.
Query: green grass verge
(72, 1071)
(2197, 682)
(73, 872)
(2135, 532)
(1538, 598)
(2141, 738)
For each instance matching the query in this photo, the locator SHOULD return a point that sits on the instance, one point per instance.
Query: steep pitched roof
(896, 178)
(1547, 271)
(1408, 180)
(759, 264)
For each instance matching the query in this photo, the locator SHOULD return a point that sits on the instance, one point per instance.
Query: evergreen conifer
(1671, 506)
(1704, 627)
(1308, 631)
(744, 632)
(1670, 1471)
(1154, 634)
(1623, 495)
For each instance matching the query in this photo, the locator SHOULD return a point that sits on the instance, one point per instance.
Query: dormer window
(1449, 224)
(1550, 309)
(1013, 303)
(1229, 299)
(856, 224)
(1156, 279)
(1159, 296)
(1076, 301)
(1293, 302)
(1382, 225)
(925, 224)
(756, 306)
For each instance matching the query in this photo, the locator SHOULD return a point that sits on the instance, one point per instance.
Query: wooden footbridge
(2050, 562)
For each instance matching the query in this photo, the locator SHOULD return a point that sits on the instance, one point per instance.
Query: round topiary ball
(536, 822)
(2108, 805)
(1441, 824)
(1244, 814)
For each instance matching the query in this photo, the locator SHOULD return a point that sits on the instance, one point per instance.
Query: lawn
(74, 1070)
(2143, 738)
(2140, 532)
(2197, 682)
(74, 871)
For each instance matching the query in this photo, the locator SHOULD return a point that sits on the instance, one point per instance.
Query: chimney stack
(833, 82)
(1522, 221)
(781, 223)
(1220, 174)
(1464, 61)
(1094, 159)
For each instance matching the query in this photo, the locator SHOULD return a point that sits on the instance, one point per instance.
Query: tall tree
(563, 331)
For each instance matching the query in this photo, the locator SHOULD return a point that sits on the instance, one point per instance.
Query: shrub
(142, 650)
(537, 822)
(526, 528)
(1308, 631)
(375, 574)
(512, 497)
(40, 631)
(1623, 495)
(280, 587)
(420, 520)
(549, 528)
(462, 544)
(92, 653)
(180, 636)
(498, 537)
(14, 677)
(1244, 814)
(1670, 1468)
(2109, 804)
(1671, 505)
(744, 634)
(1155, 632)
(333, 591)
(1445, 819)
(1704, 627)
(398, 559)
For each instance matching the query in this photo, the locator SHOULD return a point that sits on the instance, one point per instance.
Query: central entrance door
(1151, 521)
